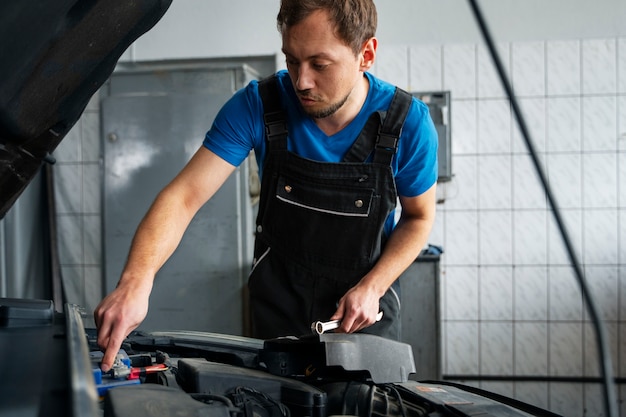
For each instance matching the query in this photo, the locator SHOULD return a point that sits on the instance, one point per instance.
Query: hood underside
(54, 55)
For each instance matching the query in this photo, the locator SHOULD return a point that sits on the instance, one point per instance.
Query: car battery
(116, 377)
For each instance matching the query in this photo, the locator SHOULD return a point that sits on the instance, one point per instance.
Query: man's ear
(368, 53)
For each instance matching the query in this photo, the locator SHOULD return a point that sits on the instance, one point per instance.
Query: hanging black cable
(610, 399)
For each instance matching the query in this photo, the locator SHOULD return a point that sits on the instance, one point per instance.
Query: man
(326, 244)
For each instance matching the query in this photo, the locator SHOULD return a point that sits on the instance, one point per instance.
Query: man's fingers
(339, 313)
(112, 348)
(110, 339)
(107, 360)
(103, 335)
(354, 322)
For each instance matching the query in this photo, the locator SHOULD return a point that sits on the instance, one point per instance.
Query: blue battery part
(114, 383)
(97, 375)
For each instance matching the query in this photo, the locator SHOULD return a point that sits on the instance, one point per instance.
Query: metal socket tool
(320, 327)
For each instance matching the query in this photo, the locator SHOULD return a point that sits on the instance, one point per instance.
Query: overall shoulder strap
(364, 144)
(381, 132)
(273, 114)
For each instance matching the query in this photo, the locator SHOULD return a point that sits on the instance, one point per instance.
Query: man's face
(323, 69)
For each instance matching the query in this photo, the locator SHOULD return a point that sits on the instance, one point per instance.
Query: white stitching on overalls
(395, 294)
(257, 261)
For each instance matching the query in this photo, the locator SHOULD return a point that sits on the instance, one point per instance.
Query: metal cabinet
(154, 118)
(420, 315)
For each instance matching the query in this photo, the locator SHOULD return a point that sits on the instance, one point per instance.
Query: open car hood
(54, 55)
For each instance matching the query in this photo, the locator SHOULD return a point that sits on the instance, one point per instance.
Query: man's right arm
(157, 236)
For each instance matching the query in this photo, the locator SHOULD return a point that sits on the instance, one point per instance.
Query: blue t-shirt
(238, 128)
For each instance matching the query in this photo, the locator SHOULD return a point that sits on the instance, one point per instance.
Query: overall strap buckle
(273, 116)
(391, 127)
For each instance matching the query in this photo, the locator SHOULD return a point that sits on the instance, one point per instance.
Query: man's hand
(116, 316)
(357, 309)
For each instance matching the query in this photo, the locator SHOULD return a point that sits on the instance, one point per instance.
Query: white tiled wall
(511, 303)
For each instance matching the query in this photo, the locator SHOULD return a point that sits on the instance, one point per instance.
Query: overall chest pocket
(324, 198)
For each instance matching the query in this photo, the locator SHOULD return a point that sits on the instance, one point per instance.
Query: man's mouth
(307, 98)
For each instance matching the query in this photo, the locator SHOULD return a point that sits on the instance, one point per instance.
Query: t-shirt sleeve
(237, 126)
(417, 168)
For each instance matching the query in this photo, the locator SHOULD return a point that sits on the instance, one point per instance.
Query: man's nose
(305, 78)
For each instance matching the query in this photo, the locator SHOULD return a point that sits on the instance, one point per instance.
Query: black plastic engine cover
(357, 355)
(201, 376)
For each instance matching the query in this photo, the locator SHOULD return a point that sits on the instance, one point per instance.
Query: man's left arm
(358, 308)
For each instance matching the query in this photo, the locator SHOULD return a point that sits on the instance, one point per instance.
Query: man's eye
(320, 67)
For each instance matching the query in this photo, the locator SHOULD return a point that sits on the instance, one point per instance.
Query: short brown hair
(355, 20)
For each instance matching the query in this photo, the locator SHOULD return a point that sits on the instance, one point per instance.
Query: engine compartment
(207, 374)
(197, 386)
(53, 369)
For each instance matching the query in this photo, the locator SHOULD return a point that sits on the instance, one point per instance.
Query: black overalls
(319, 228)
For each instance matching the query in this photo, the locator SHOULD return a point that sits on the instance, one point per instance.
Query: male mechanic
(325, 135)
